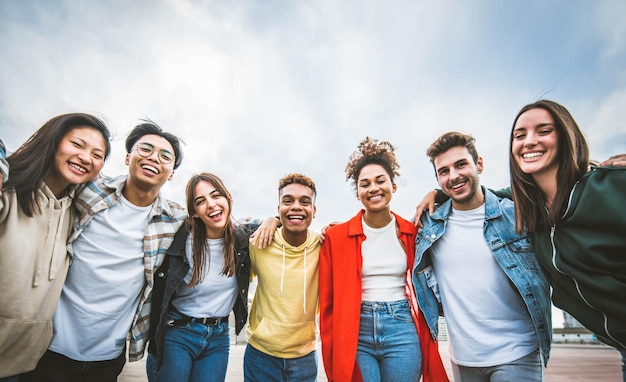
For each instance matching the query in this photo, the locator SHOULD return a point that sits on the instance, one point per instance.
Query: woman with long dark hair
(35, 222)
(204, 277)
(575, 213)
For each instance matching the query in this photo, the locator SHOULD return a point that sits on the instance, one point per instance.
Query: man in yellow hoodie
(282, 330)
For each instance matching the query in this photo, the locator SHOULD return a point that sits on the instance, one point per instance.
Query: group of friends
(97, 269)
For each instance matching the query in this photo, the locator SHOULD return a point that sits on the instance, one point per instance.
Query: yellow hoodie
(286, 302)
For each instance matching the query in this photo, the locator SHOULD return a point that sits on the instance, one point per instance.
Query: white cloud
(257, 90)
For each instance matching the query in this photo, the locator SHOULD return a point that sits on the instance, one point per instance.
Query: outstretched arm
(428, 202)
(264, 235)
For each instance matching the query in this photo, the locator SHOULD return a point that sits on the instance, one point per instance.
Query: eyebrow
(293, 197)
(375, 178)
(460, 161)
(84, 142)
(538, 126)
(154, 147)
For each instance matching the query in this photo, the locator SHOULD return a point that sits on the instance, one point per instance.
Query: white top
(103, 286)
(215, 296)
(384, 268)
(487, 320)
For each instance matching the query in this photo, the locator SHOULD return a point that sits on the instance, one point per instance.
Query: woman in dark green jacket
(576, 216)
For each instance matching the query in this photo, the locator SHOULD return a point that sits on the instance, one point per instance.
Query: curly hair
(296, 178)
(372, 151)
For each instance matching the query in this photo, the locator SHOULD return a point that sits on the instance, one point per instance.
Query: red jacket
(340, 301)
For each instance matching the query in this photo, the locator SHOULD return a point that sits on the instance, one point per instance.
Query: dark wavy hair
(34, 159)
(449, 140)
(197, 228)
(573, 159)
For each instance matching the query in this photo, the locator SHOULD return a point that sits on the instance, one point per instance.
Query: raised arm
(264, 235)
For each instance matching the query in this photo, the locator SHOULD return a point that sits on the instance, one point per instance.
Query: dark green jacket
(584, 255)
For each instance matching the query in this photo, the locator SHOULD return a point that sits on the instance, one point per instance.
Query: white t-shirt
(487, 320)
(384, 264)
(215, 296)
(103, 286)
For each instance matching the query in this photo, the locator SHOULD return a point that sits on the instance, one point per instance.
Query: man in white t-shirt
(470, 263)
(123, 229)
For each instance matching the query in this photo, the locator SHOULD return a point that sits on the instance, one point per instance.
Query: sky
(260, 89)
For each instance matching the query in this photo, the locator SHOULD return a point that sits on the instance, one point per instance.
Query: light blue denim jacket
(513, 253)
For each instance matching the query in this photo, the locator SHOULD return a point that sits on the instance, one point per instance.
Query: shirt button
(433, 236)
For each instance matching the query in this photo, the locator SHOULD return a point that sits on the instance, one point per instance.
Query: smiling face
(296, 210)
(78, 159)
(459, 177)
(150, 173)
(375, 188)
(535, 143)
(212, 207)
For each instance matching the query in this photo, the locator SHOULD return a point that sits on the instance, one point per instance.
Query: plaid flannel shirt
(4, 164)
(165, 219)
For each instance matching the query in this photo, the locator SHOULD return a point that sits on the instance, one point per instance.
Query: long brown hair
(200, 248)
(34, 159)
(573, 159)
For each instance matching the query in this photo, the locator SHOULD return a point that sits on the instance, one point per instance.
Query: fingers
(615, 160)
(322, 238)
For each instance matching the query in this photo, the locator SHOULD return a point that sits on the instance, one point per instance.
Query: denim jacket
(513, 253)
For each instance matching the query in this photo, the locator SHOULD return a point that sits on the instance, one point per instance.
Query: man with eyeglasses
(123, 228)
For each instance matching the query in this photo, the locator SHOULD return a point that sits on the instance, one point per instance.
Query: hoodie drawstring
(304, 289)
(282, 278)
(282, 273)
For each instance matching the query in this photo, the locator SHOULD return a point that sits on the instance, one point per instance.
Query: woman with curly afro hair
(365, 280)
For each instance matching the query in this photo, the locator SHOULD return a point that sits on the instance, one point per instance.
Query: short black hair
(150, 128)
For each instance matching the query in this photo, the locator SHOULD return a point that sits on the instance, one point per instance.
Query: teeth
(532, 155)
(214, 213)
(150, 168)
(458, 185)
(298, 217)
(78, 168)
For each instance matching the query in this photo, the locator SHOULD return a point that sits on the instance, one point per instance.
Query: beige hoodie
(286, 302)
(34, 263)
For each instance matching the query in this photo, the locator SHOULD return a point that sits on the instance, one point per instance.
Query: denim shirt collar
(492, 207)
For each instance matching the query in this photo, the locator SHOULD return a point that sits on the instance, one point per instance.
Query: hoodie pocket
(284, 337)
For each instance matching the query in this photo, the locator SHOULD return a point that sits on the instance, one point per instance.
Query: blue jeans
(389, 348)
(192, 352)
(14, 378)
(261, 367)
(526, 369)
